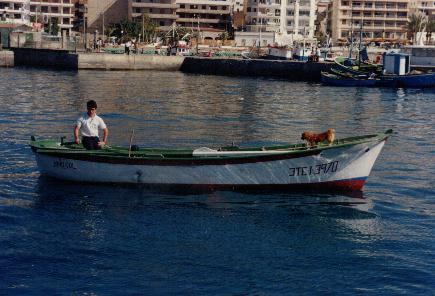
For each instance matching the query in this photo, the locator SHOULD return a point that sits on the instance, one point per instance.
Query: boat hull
(410, 80)
(336, 168)
(335, 80)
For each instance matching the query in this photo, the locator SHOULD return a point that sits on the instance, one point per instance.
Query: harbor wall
(6, 58)
(105, 61)
(293, 70)
(45, 58)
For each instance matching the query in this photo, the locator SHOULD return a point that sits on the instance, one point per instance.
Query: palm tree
(224, 36)
(430, 28)
(415, 24)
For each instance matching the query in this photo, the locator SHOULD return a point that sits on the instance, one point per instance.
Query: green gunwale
(54, 147)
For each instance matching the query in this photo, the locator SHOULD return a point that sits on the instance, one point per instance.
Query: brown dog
(313, 138)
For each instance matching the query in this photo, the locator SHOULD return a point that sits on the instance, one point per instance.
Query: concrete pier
(61, 59)
(6, 58)
(293, 70)
(105, 61)
(46, 58)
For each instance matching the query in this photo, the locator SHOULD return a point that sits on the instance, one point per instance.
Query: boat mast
(360, 39)
(351, 29)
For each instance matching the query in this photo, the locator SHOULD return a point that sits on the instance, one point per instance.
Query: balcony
(156, 15)
(203, 11)
(41, 3)
(50, 14)
(195, 20)
(14, 1)
(273, 6)
(14, 10)
(155, 5)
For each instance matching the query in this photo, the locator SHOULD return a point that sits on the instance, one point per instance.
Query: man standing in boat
(88, 125)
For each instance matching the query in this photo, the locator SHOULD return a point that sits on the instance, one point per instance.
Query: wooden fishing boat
(356, 67)
(346, 80)
(393, 78)
(426, 80)
(344, 165)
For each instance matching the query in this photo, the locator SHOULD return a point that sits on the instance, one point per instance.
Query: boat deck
(52, 146)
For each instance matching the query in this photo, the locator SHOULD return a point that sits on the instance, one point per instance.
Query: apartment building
(239, 5)
(208, 15)
(424, 7)
(378, 20)
(162, 12)
(15, 12)
(49, 12)
(265, 15)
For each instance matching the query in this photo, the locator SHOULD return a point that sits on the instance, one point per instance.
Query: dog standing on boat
(312, 138)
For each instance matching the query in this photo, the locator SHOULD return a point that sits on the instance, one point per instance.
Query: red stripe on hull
(355, 184)
(350, 185)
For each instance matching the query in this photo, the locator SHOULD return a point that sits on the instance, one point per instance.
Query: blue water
(86, 239)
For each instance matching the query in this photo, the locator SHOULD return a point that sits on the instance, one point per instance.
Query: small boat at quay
(346, 80)
(343, 165)
(395, 71)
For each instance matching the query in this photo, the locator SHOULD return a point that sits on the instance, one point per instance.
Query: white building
(425, 7)
(15, 12)
(299, 17)
(51, 12)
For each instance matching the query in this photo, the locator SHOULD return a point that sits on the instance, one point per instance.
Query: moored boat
(395, 71)
(356, 67)
(344, 165)
(346, 80)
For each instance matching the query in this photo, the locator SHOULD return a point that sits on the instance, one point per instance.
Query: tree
(224, 36)
(127, 29)
(148, 27)
(110, 30)
(415, 24)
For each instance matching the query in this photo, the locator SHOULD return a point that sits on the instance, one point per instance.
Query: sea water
(88, 239)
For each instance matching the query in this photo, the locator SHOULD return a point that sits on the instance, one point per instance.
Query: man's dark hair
(91, 104)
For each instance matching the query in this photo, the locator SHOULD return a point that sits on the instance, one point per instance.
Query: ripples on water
(100, 239)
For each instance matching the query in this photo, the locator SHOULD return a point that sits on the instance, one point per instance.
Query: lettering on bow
(319, 169)
(64, 164)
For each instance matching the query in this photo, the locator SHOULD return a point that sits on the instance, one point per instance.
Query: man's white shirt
(89, 125)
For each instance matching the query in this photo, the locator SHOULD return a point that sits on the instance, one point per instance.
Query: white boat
(279, 53)
(345, 164)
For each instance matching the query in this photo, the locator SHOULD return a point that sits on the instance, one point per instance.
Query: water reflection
(345, 206)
